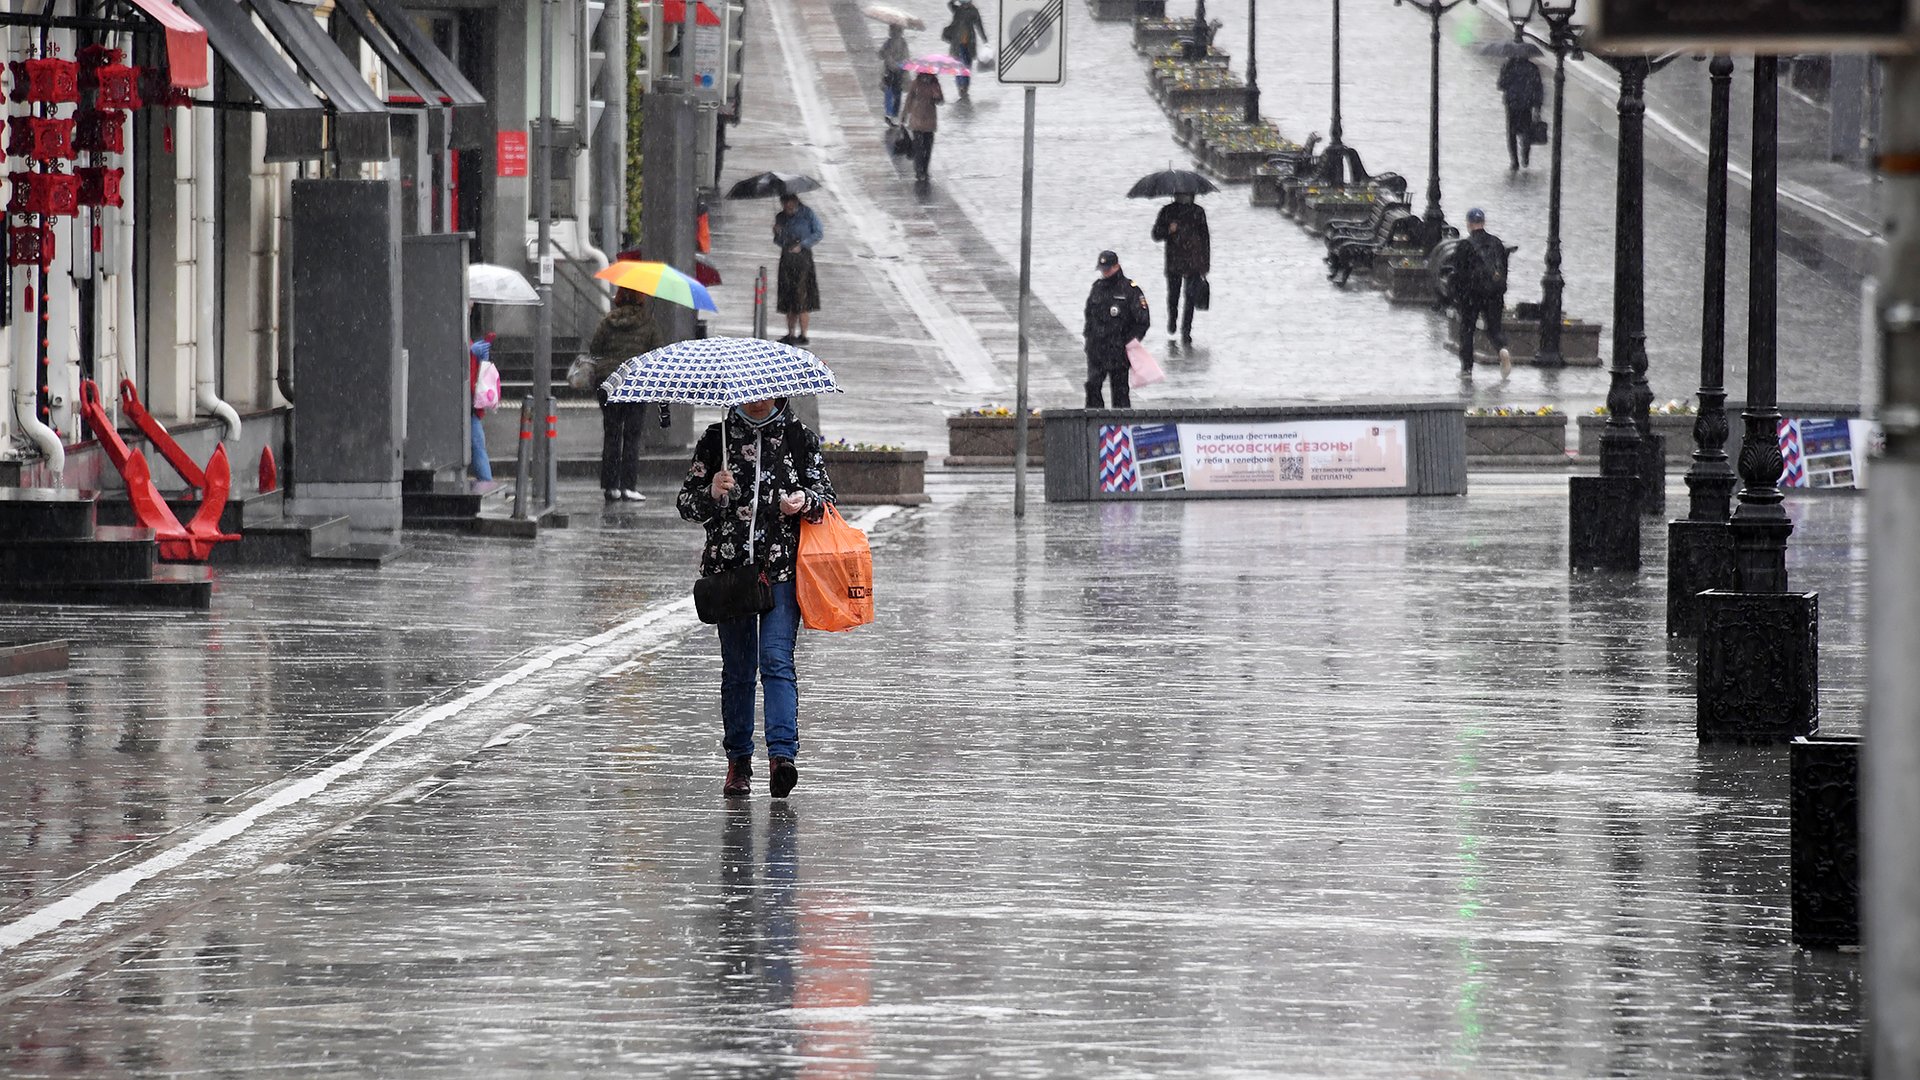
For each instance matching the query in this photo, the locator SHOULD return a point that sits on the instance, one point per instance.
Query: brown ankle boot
(739, 777)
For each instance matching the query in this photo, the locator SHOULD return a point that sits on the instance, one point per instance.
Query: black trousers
(1475, 309)
(620, 431)
(1174, 281)
(1520, 137)
(922, 153)
(1102, 370)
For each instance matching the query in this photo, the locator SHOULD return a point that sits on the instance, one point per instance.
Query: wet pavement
(1365, 787)
(1342, 788)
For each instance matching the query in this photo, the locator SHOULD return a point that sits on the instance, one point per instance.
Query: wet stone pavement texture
(1303, 788)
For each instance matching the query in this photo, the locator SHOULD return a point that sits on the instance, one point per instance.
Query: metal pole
(1333, 132)
(520, 457)
(760, 304)
(1630, 273)
(1710, 480)
(1552, 283)
(1759, 524)
(1620, 442)
(1890, 759)
(1253, 71)
(1433, 216)
(543, 204)
(1026, 282)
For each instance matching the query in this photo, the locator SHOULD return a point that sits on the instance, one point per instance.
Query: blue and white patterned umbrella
(720, 371)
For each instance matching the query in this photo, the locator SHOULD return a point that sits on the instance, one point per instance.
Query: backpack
(486, 386)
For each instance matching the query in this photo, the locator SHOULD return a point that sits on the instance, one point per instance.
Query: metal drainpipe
(20, 336)
(282, 231)
(263, 188)
(126, 343)
(206, 285)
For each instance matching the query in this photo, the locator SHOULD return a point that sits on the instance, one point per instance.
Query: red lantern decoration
(100, 131)
(39, 139)
(46, 80)
(52, 194)
(98, 186)
(30, 245)
(94, 56)
(119, 87)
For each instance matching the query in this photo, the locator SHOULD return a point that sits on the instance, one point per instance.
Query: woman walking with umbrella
(755, 476)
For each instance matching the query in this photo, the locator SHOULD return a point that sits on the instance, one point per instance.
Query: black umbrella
(764, 184)
(1526, 50)
(1171, 182)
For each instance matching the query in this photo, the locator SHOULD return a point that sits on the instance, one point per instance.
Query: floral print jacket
(790, 453)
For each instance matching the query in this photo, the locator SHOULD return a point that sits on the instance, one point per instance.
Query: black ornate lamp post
(1433, 217)
(1253, 71)
(1759, 643)
(1699, 548)
(1565, 42)
(1333, 130)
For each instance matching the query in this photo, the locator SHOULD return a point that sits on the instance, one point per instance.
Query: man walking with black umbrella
(1182, 226)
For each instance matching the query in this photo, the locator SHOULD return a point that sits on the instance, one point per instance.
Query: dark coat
(1116, 314)
(1189, 247)
(790, 452)
(1479, 266)
(1520, 82)
(966, 29)
(625, 332)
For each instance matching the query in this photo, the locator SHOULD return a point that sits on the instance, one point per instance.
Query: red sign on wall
(512, 153)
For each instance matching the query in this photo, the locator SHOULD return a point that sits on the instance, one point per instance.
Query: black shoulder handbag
(742, 591)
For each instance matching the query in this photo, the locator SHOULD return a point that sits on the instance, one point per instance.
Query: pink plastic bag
(486, 387)
(1142, 368)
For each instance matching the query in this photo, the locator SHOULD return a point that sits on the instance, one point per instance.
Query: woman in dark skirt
(796, 230)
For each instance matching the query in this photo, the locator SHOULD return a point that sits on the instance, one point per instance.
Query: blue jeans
(482, 468)
(890, 97)
(964, 54)
(763, 647)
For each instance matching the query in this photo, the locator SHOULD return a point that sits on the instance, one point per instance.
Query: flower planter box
(988, 440)
(1266, 187)
(1175, 97)
(1236, 166)
(1407, 280)
(1160, 33)
(1518, 439)
(863, 477)
(1123, 10)
(1318, 210)
(1579, 341)
(1677, 428)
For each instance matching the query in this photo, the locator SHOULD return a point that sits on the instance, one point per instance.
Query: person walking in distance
(1117, 313)
(964, 35)
(923, 98)
(1182, 226)
(893, 53)
(1478, 272)
(626, 331)
(1525, 92)
(796, 229)
(755, 475)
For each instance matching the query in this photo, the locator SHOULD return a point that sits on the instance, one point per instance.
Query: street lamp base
(1545, 359)
(1758, 677)
(1824, 801)
(1653, 474)
(1604, 523)
(1699, 557)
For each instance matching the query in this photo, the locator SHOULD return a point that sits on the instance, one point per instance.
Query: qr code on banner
(1293, 468)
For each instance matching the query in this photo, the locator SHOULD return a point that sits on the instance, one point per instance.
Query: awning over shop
(361, 131)
(296, 119)
(471, 126)
(186, 43)
(422, 87)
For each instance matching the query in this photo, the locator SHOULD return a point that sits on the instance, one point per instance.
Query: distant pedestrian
(893, 53)
(796, 229)
(479, 352)
(923, 98)
(964, 35)
(1521, 85)
(755, 475)
(1117, 313)
(626, 331)
(1478, 274)
(1182, 226)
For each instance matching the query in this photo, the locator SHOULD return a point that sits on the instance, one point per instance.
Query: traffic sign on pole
(1033, 42)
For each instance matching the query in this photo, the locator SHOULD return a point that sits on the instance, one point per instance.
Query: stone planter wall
(988, 440)
(1579, 341)
(1678, 430)
(1518, 437)
(1157, 34)
(862, 477)
(1174, 97)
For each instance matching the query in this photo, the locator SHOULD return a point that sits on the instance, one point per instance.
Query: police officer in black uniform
(1116, 314)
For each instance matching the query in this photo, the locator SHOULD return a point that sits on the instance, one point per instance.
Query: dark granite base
(1758, 678)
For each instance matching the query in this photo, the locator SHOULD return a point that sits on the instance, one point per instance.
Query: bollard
(553, 446)
(760, 304)
(520, 459)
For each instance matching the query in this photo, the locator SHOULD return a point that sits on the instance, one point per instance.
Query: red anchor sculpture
(194, 541)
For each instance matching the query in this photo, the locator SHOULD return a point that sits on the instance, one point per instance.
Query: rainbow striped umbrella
(661, 280)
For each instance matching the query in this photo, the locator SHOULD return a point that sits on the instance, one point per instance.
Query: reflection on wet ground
(1342, 787)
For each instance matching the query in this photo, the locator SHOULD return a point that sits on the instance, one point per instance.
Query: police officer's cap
(1108, 258)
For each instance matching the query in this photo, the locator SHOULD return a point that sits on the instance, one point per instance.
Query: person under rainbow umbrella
(659, 280)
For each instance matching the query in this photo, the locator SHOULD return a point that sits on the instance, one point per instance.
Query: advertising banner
(1822, 453)
(1275, 455)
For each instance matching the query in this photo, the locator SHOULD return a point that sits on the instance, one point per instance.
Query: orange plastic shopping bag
(834, 577)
